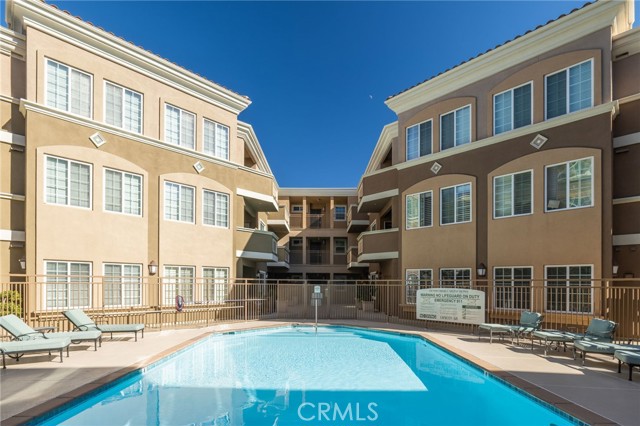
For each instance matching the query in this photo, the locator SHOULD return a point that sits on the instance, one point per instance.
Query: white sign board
(460, 305)
(316, 289)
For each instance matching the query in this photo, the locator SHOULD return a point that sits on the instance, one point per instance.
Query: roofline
(20, 14)
(246, 132)
(324, 192)
(595, 16)
(388, 132)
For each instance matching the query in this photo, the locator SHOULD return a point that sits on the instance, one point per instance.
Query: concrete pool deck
(594, 393)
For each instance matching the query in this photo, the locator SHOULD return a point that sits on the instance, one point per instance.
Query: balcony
(278, 222)
(356, 222)
(376, 190)
(283, 259)
(257, 201)
(318, 257)
(317, 221)
(352, 259)
(256, 245)
(378, 245)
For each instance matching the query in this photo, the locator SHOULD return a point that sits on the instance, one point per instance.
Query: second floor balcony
(356, 222)
(378, 245)
(278, 222)
(256, 245)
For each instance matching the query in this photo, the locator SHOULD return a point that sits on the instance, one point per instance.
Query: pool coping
(554, 401)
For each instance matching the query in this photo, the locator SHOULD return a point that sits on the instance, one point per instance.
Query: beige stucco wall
(568, 237)
(439, 246)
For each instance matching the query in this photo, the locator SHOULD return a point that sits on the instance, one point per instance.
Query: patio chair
(17, 348)
(607, 348)
(631, 358)
(81, 321)
(599, 330)
(21, 331)
(529, 322)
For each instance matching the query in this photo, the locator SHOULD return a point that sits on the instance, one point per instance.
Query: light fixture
(482, 270)
(23, 263)
(615, 269)
(153, 267)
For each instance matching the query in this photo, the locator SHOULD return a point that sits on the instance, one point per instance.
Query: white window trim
(335, 211)
(104, 275)
(593, 171)
(568, 101)
(495, 287)
(406, 139)
(203, 290)
(214, 209)
(455, 140)
(298, 241)
(512, 196)
(46, 84)
(104, 110)
(104, 197)
(546, 269)
(165, 281)
(215, 123)
(456, 205)
(181, 143)
(297, 208)
(45, 193)
(407, 271)
(346, 245)
(164, 206)
(68, 262)
(512, 90)
(406, 201)
(455, 280)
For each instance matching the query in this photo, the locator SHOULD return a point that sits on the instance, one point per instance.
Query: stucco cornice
(28, 106)
(248, 135)
(626, 44)
(12, 43)
(387, 134)
(610, 108)
(22, 14)
(617, 15)
(319, 192)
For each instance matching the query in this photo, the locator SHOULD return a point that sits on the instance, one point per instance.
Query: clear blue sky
(318, 72)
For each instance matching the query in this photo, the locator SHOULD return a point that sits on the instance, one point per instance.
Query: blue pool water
(293, 376)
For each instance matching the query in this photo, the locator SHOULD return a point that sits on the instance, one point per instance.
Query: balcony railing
(318, 257)
(378, 245)
(256, 244)
(40, 300)
(317, 221)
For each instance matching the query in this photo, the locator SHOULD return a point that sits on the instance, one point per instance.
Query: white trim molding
(11, 235)
(626, 140)
(265, 198)
(12, 197)
(367, 257)
(13, 43)
(626, 239)
(12, 138)
(319, 192)
(256, 255)
(626, 200)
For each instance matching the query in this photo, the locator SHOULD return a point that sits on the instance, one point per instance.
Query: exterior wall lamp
(153, 267)
(615, 269)
(482, 270)
(23, 263)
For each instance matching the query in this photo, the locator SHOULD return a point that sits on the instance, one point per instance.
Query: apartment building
(117, 162)
(321, 242)
(519, 164)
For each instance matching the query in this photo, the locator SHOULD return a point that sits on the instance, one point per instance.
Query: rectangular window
(419, 140)
(455, 128)
(569, 185)
(67, 182)
(68, 89)
(455, 277)
(122, 192)
(568, 289)
(178, 202)
(296, 208)
(67, 284)
(513, 288)
(416, 280)
(123, 108)
(569, 90)
(179, 127)
(216, 139)
(340, 213)
(216, 282)
(122, 284)
(178, 281)
(455, 204)
(215, 206)
(419, 210)
(513, 194)
(512, 109)
(340, 246)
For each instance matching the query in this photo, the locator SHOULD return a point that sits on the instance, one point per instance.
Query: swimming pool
(292, 376)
